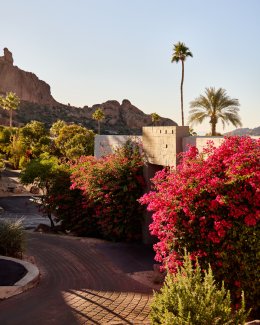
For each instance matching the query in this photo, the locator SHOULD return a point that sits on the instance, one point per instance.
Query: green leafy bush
(189, 298)
(12, 238)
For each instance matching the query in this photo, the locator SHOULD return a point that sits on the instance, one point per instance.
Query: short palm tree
(180, 53)
(155, 118)
(10, 102)
(215, 105)
(98, 115)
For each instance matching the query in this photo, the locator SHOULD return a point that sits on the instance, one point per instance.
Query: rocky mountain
(38, 104)
(26, 85)
(245, 131)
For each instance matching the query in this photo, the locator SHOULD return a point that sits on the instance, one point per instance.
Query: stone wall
(162, 144)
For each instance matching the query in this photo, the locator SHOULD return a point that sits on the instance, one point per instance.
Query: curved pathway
(79, 285)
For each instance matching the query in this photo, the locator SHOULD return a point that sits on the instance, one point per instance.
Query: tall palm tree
(98, 115)
(215, 105)
(180, 53)
(10, 102)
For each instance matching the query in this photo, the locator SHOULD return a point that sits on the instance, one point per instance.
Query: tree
(98, 115)
(155, 118)
(10, 103)
(74, 141)
(43, 172)
(35, 137)
(215, 105)
(56, 128)
(180, 53)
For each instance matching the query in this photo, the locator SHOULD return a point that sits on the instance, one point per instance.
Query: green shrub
(12, 238)
(188, 298)
(23, 162)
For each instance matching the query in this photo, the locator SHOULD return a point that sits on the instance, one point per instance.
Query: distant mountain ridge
(38, 104)
(244, 131)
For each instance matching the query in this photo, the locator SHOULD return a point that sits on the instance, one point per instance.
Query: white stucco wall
(201, 141)
(106, 144)
(160, 143)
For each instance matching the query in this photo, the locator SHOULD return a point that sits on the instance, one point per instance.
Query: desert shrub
(211, 206)
(12, 238)
(190, 298)
(111, 186)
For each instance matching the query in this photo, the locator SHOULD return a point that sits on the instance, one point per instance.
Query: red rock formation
(26, 85)
(37, 103)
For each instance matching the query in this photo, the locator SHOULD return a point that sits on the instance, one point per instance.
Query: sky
(91, 51)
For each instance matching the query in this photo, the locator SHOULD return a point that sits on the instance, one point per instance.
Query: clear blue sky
(91, 51)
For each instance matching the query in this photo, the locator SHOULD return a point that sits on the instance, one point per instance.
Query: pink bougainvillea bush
(211, 206)
(111, 186)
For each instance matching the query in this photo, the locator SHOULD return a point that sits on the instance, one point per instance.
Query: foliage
(32, 132)
(16, 150)
(188, 297)
(11, 147)
(155, 118)
(19, 145)
(56, 127)
(192, 133)
(5, 139)
(99, 116)
(111, 186)
(74, 141)
(211, 206)
(180, 53)
(215, 105)
(35, 137)
(70, 208)
(10, 102)
(43, 172)
(12, 238)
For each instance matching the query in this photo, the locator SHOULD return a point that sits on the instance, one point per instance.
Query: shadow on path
(80, 284)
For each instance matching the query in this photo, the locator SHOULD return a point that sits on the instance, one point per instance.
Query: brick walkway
(80, 284)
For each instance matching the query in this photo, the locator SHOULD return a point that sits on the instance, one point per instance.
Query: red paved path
(79, 285)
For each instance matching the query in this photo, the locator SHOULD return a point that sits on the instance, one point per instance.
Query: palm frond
(196, 117)
(180, 52)
(216, 105)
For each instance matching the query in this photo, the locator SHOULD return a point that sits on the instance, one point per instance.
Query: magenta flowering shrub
(111, 186)
(211, 206)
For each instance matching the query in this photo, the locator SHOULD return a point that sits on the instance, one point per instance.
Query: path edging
(28, 281)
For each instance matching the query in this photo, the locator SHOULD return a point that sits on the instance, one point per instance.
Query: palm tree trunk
(213, 122)
(11, 117)
(182, 80)
(213, 128)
